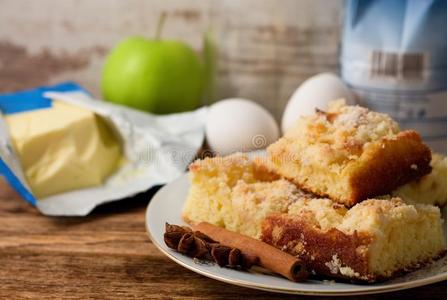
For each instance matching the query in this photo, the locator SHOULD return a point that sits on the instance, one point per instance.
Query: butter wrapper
(156, 149)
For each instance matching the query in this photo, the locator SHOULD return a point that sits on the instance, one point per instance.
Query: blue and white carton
(394, 56)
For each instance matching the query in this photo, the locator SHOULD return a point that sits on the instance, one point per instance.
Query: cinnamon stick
(270, 257)
(196, 244)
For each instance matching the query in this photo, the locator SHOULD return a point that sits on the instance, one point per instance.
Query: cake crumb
(335, 267)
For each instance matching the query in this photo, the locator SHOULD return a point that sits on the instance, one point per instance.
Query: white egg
(239, 125)
(315, 92)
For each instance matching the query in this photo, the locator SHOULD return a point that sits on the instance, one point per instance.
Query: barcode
(397, 65)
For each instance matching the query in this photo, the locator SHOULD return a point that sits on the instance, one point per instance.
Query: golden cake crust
(388, 165)
(300, 238)
(290, 235)
(349, 154)
(344, 247)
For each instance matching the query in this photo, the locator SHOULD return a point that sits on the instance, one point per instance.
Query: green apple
(159, 76)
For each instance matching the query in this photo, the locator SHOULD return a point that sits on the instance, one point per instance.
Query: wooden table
(108, 255)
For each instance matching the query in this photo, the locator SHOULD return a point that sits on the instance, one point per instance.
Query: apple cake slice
(212, 183)
(349, 154)
(374, 240)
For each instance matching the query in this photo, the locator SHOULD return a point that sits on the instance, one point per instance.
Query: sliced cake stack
(324, 194)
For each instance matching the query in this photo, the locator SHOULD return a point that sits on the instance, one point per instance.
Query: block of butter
(66, 153)
(63, 148)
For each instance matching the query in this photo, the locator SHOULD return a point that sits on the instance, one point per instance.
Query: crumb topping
(342, 133)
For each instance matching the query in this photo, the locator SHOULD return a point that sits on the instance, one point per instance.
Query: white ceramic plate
(166, 206)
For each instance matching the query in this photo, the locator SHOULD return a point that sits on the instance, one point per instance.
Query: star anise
(196, 244)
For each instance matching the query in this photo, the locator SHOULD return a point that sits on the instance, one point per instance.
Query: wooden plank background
(267, 47)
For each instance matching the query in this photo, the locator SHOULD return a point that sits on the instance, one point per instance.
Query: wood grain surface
(266, 47)
(108, 255)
